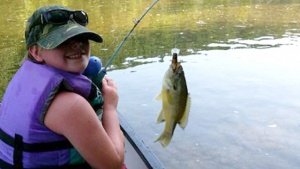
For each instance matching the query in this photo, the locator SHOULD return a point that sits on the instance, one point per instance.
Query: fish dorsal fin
(184, 119)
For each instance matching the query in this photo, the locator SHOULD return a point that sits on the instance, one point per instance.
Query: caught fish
(175, 100)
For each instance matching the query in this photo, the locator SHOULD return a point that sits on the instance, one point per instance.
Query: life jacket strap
(18, 152)
(20, 147)
(34, 147)
(96, 99)
(5, 165)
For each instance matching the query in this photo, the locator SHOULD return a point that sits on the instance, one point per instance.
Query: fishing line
(177, 32)
(175, 39)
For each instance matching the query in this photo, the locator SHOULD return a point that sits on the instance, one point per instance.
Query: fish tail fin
(166, 136)
(161, 117)
(184, 119)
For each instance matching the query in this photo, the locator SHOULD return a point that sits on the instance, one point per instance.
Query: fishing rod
(136, 22)
(97, 79)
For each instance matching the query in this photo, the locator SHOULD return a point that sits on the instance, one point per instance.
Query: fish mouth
(174, 62)
(174, 59)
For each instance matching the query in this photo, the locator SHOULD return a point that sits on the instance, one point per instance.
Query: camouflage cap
(49, 36)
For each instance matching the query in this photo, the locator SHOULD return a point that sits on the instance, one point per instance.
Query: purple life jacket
(25, 142)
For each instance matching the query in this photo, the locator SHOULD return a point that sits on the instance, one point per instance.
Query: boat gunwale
(148, 157)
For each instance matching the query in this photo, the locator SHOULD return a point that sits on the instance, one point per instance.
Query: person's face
(71, 56)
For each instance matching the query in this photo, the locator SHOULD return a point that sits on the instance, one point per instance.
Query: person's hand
(110, 94)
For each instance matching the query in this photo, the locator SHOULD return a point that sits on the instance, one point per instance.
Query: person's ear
(34, 51)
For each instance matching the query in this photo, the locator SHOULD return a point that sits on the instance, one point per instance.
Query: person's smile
(75, 56)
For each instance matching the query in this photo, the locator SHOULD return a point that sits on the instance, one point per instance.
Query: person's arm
(110, 119)
(100, 144)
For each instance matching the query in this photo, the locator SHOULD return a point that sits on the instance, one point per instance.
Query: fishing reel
(94, 66)
(95, 72)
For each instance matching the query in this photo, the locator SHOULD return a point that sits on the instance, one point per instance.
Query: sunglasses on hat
(60, 16)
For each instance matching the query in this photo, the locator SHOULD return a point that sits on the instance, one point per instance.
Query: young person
(46, 119)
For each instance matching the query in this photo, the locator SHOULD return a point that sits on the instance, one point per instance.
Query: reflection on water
(244, 113)
(241, 65)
